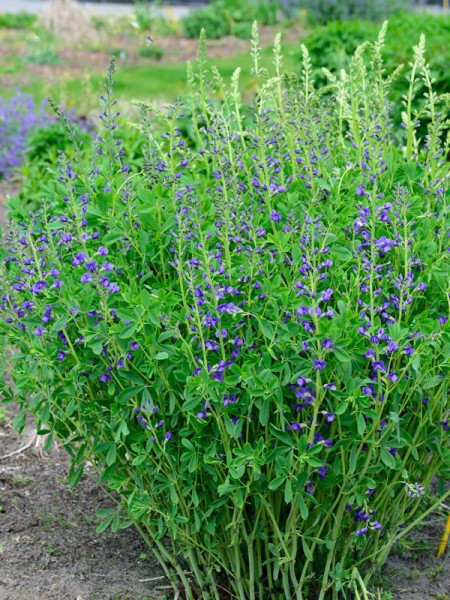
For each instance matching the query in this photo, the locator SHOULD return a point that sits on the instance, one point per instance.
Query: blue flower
(319, 364)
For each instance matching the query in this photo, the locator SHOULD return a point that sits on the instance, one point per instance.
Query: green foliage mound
(247, 337)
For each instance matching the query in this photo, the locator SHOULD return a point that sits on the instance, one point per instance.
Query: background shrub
(144, 18)
(20, 20)
(243, 30)
(223, 17)
(213, 21)
(41, 50)
(322, 11)
(151, 51)
(263, 11)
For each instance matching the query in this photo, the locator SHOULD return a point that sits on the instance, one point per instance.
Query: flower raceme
(247, 336)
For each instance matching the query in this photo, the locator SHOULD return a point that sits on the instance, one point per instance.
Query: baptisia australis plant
(248, 338)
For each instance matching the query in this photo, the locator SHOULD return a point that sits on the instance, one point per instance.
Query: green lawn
(152, 81)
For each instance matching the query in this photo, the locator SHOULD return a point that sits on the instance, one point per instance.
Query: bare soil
(49, 549)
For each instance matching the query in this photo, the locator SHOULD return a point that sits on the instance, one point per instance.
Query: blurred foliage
(41, 50)
(215, 23)
(332, 46)
(20, 20)
(243, 30)
(263, 11)
(151, 51)
(323, 11)
(223, 17)
(143, 15)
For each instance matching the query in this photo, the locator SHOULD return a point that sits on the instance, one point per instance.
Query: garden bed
(70, 67)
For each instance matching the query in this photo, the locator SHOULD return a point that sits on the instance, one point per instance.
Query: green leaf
(191, 403)
(111, 456)
(131, 376)
(352, 459)
(343, 253)
(407, 438)
(314, 462)
(97, 348)
(188, 444)
(105, 512)
(304, 512)
(433, 382)
(288, 492)
(44, 413)
(341, 355)
(20, 420)
(75, 475)
(129, 392)
(306, 550)
(387, 458)
(275, 483)
(125, 315)
(361, 424)
(340, 410)
(104, 524)
(109, 471)
(128, 331)
(227, 488)
(115, 523)
(161, 356)
(267, 328)
(264, 413)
